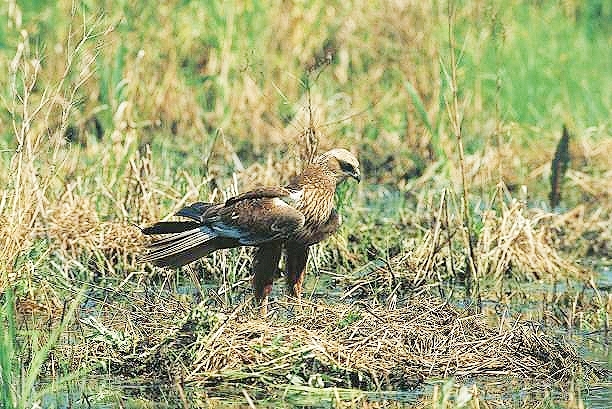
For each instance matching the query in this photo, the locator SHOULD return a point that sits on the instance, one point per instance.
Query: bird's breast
(316, 205)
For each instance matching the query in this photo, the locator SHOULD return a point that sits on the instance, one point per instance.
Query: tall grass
(7, 349)
(39, 119)
(39, 112)
(549, 65)
(124, 123)
(24, 355)
(456, 116)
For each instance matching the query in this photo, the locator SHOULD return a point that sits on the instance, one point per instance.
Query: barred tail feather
(182, 247)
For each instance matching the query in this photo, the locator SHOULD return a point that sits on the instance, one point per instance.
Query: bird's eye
(347, 167)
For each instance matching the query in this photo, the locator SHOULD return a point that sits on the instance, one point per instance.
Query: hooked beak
(356, 175)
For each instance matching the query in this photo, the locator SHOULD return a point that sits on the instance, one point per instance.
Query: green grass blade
(40, 356)
(7, 349)
(420, 107)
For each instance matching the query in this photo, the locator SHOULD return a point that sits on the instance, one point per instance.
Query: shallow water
(605, 277)
(104, 393)
(599, 396)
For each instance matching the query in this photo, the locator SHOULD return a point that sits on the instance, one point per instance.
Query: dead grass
(74, 226)
(584, 233)
(513, 243)
(516, 243)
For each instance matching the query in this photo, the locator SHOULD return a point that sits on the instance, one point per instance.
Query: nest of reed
(316, 344)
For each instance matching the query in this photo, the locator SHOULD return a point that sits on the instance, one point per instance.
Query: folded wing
(251, 219)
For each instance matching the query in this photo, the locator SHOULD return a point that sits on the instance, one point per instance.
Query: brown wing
(251, 219)
(255, 220)
(265, 192)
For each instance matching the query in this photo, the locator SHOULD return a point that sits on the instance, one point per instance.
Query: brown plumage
(292, 218)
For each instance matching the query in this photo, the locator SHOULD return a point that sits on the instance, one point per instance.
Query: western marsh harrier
(292, 218)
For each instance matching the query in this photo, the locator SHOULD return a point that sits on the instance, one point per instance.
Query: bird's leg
(297, 256)
(262, 293)
(265, 268)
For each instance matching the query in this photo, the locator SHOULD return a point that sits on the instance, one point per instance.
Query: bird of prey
(272, 219)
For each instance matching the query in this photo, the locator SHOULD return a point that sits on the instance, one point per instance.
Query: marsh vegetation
(472, 268)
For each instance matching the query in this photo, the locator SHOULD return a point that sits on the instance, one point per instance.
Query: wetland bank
(472, 266)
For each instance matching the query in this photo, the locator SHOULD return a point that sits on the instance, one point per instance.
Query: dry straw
(513, 242)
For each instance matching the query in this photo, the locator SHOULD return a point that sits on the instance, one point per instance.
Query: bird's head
(341, 163)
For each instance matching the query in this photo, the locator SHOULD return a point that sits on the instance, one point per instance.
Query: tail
(186, 242)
